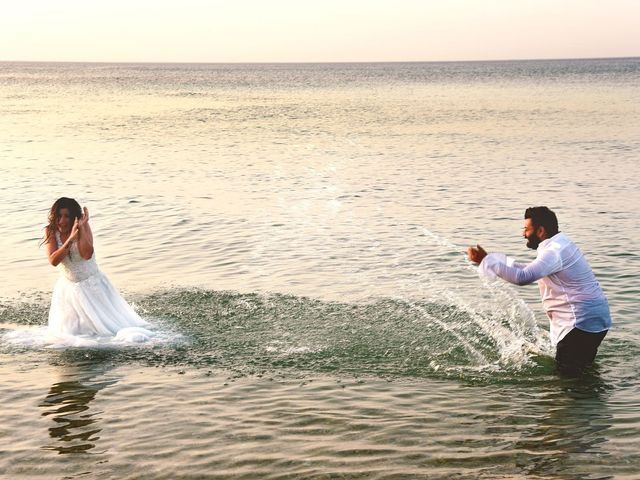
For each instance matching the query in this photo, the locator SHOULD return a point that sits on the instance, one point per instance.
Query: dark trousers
(577, 350)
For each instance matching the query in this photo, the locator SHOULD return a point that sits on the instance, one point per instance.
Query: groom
(572, 298)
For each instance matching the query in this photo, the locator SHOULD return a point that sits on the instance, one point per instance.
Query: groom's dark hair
(543, 217)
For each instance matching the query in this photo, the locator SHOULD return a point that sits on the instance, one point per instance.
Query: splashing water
(426, 329)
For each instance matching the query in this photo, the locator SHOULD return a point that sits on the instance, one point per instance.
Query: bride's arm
(55, 254)
(85, 241)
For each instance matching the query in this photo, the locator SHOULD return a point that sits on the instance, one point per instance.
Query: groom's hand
(476, 254)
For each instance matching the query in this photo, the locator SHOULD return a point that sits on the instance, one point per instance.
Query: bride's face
(64, 221)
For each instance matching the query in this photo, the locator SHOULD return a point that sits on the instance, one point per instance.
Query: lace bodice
(74, 267)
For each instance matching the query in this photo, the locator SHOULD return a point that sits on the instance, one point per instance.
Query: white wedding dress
(85, 305)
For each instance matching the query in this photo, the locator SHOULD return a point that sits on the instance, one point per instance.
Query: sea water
(295, 233)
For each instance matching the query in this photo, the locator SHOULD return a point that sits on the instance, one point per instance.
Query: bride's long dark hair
(72, 207)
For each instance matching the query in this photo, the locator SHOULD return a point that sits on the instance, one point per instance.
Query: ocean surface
(295, 234)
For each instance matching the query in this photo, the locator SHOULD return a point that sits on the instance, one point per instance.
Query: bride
(84, 302)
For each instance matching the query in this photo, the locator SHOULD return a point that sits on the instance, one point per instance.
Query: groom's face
(531, 234)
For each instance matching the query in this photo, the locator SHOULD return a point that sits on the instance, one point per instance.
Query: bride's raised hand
(84, 219)
(74, 231)
(86, 237)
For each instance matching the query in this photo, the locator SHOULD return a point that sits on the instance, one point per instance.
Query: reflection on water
(570, 433)
(76, 423)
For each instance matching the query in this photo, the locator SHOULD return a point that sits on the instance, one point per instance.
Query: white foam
(42, 337)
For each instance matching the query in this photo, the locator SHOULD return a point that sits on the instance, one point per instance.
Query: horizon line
(116, 62)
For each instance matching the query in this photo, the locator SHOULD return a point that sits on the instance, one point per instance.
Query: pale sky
(319, 31)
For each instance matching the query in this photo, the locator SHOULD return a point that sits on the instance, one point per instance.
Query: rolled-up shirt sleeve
(499, 265)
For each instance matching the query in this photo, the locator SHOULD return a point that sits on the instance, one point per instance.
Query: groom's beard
(533, 241)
